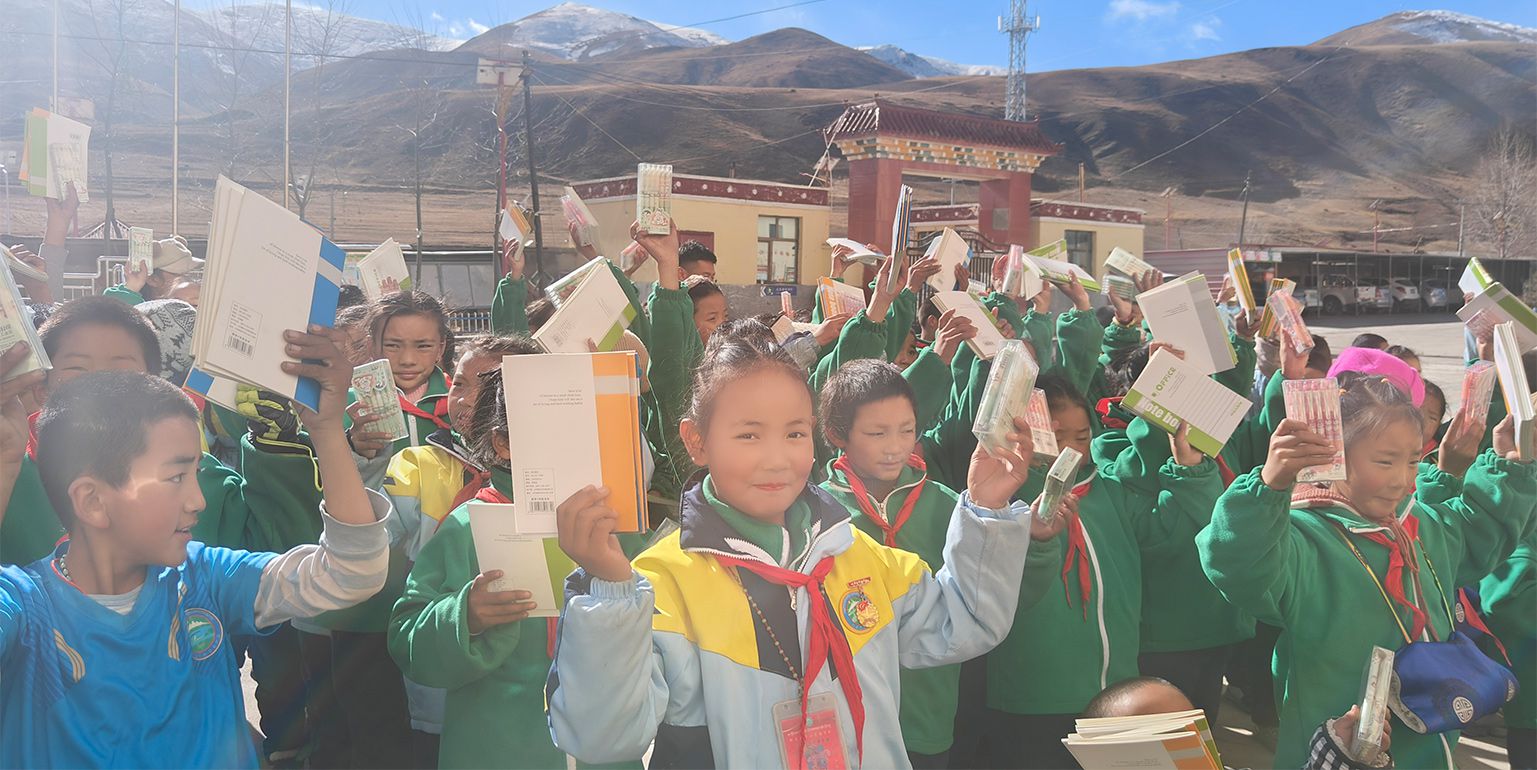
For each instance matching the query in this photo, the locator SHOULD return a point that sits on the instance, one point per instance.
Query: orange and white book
(576, 421)
(1174, 741)
(839, 298)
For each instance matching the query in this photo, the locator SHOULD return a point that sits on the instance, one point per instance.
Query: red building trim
(1086, 213)
(711, 187)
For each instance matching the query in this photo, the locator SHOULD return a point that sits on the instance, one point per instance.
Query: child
(710, 309)
(1297, 556)
(118, 648)
(448, 630)
(869, 414)
(694, 258)
(410, 329)
(696, 645)
(1069, 646)
(170, 264)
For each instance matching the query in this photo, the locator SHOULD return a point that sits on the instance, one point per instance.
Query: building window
(778, 249)
(1080, 248)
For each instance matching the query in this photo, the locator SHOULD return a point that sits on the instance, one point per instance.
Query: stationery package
(1010, 384)
(1317, 403)
(374, 385)
(653, 198)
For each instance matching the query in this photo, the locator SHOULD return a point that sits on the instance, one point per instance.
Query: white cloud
(438, 17)
(1141, 10)
(477, 27)
(1206, 29)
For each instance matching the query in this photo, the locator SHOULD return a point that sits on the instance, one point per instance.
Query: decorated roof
(882, 117)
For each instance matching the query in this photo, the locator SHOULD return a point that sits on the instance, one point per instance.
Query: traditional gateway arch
(883, 142)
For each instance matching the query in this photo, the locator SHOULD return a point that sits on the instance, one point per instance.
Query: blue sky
(1075, 33)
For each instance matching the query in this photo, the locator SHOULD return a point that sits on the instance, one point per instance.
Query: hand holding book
(585, 529)
(954, 331)
(489, 609)
(1044, 526)
(13, 415)
(995, 474)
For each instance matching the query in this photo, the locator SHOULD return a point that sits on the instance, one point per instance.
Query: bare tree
(112, 56)
(240, 25)
(319, 40)
(1502, 204)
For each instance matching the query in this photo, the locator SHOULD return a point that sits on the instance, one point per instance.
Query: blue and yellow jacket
(676, 655)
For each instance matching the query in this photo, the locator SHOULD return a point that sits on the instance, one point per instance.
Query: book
(16, 326)
(783, 327)
(949, 250)
(653, 198)
(988, 338)
(1475, 277)
(531, 563)
(1128, 264)
(141, 250)
(786, 305)
(1504, 306)
(1038, 414)
(1019, 280)
(1240, 277)
(838, 298)
(597, 309)
(562, 288)
(1059, 481)
(54, 155)
(219, 390)
(21, 268)
(1172, 392)
(1478, 390)
(578, 418)
(1317, 403)
(1376, 688)
(862, 254)
(373, 384)
(1514, 387)
(385, 263)
(267, 271)
(901, 233)
(1176, 741)
(1182, 313)
(580, 218)
(512, 226)
(1051, 261)
(1005, 396)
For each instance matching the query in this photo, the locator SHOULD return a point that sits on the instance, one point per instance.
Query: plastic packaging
(1006, 395)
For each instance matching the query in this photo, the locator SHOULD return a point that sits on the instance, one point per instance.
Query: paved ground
(1438, 340)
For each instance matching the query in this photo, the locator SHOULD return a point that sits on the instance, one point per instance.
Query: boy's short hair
(350, 296)
(96, 424)
(1370, 340)
(694, 251)
(101, 311)
(1113, 701)
(1320, 357)
(855, 384)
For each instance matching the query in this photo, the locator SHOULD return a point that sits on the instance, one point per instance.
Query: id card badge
(812, 742)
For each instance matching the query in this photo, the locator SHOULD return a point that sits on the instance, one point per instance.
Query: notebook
(839, 298)
(1504, 306)
(532, 563)
(1514, 386)
(385, 263)
(1172, 392)
(950, 250)
(1182, 313)
(1178, 741)
(16, 326)
(1053, 264)
(988, 338)
(596, 309)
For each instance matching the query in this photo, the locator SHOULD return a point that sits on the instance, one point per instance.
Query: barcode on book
(541, 506)
(240, 344)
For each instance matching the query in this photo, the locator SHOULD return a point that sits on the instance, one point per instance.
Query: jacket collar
(449, 442)
(704, 531)
(838, 481)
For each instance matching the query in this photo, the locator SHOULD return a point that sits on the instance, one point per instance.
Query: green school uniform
(274, 506)
(122, 292)
(509, 306)
(1508, 595)
(1293, 569)
(671, 374)
(1067, 647)
(494, 711)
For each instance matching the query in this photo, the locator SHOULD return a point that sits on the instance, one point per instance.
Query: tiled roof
(883, 117)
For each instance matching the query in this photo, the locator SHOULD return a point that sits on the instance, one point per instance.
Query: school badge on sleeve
(859, 613)
(205, 634)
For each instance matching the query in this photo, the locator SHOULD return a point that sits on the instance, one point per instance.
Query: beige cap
(173, 256)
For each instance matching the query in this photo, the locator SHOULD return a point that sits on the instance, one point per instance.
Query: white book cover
(1172, 392)
(141, 250)
(16, 326)
(528, 562)
(1127, 263)
(951, 250)
(1497, 301)
(1183, 314)
(988, 338)
(1514, 386)
(68, 157)
(861, 253)
(21, 268)
(1052, 262)
(381, 266)
(596, 310)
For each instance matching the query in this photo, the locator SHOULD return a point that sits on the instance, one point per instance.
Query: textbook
(597, 309)
(382, 265)
(1497, 300)
(900, 235)
(1478, 390)
(267, 271)
(1128, 264)
(1475, 277)
(1059, 481)
(1182, 313)
(578, 418)
(1019, 280)
(1371, 733)
(532, 563)
(562, 288)
(21, 268)
(839, 298)
(1240, 277)
(862, 254)
(1176, 741)
(16, 326)
(949, 250)
(1052, 262)
(513, 226)
(1514, 387)
(219, 390)
(653, 198)
(54, 155)
(1010, 384)
(988, 338)
(373, 384)
(141, 250)
(1172, 392)
(580, 218)
(1317, 403)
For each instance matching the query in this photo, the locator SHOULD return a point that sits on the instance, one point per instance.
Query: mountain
(920, 66)
(1430, 28)
(575, 31)
(318, 29)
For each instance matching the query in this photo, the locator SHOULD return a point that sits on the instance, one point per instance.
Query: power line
(594, 123)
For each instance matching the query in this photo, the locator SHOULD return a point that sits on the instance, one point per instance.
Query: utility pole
(1243, 219)
(533, 175)
(416, 161)
(54, 105)
(1462, 212)
(1168, 214)
(176, 120)
(1018, 26)
(288, 48)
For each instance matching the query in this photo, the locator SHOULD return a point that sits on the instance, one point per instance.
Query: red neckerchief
(439, 413)
(32, 434)
(1103, 408)
(479, 482)
(826, 637)
(863, 496)
(1471, 616)
(1401, 556)
(1078, 553)
(1224, 472)
(489, 494)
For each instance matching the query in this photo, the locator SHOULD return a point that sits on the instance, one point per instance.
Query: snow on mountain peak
(1452, 27)
(920, 66)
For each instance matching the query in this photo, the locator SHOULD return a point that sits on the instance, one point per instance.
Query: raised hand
(1179, 445)
(1459, 448)
(585, 526)
(321, 355)
(513, 259)
(588, 252)
(1075, 292)
(920, 273)
(13, 414)
(663, 249)
(1046, 525)
(1127, 312)
(883, 296)
(828, 330)
(1294, 447)
(1294, 363)
(953, 332)
(1042, 298)
(991, 480)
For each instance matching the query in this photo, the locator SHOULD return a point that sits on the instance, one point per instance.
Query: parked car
(1433, 294)
(1337, 292)
(1406, 296)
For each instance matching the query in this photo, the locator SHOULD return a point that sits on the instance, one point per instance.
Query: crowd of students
(840, 575)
